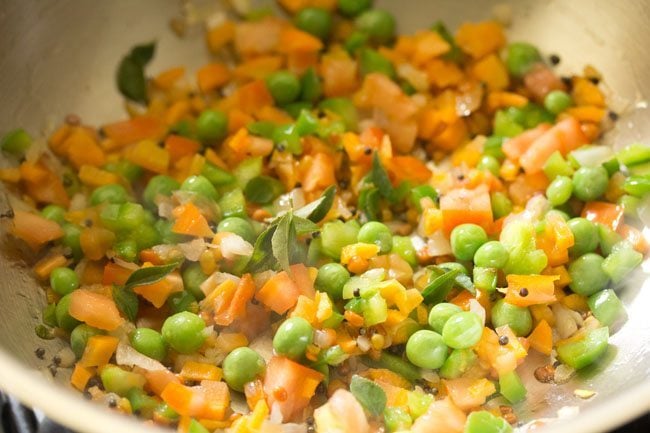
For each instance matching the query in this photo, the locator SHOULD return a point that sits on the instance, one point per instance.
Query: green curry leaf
(371, 396)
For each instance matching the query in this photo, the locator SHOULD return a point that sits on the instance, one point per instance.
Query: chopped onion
(165, 206)
(168, 253)
(276, 414)
(262, 277)
(263, 345)
(592, 156)
(565, 321)
(563, 373)
(126, 265)
(192, 250)
(502, 13)
(416, 78)
(363, 343)
(293, 428)
(568, 411)
(214, 280)
(323, 338)
(234, 246)
(126, 355)
(430, 376)
(438, 245)
(78, 202)
(294, 199)
(66, 357)
(476, 308)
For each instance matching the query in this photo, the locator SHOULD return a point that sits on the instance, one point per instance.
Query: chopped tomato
(564, 137)
(279, 293)
(35, 230)
(442, 416)
(95, 310)
(461, 206)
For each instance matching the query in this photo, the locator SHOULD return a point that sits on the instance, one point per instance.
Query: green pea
(489, 163)
(565, 216)
(79, 338)
(374, 232)
(521, 57)
(54, 213)
(403, 247)
(559, 191)
(458, 363)
(147, 235)
(241, 366)
(292, 338)
(126, 249)
(517, 318)
(585, 235)
(131, 216)
(491, 254)
(238, 226)
(483, 421)
(109, 194)
(212, 126)
(589, 183)
(440, 313)
(120, 381)
(316, 21)
(184, 332)
(466, 240)
(71, 239)
(193, 277)
(373, 61)
(585, 351)
(284, 87)
(16, 142)
(63, 317)
(606, 307)
(426, 349)
(501, 204)
(200, 185)
(587, 274)
(556, 101)
(462, 330)
(352, 8)
(128, 170)
(355, 42)
(311, 86)
(378, 24)
(64, 281)
(149, 342)
(331, 278)
(158, 185)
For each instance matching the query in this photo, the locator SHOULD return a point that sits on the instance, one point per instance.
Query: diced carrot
(199, 371)
(96, 241)
(442, 416)
(147, 154)
(608, 214)
(293, 40)
(301, 276)
(587, 113)
(584, 92)
(480, 39)
(541, 339)
(443, 74)
(258, 37)
(80, 377)
(98, 351)
(339, 73)
(134, 130)
(408, 168)
(253, 96)
(229, 341)
(274, 115)
(35, 230)
(221, 35)
(177, 111)
(236, 308)
(94, 309)
(217, 399)
(115, 274)
(279, 293)
(497, 100)
(212, 76)
(294, 6)
(491, 71)
(42, 184)
(94, 177)
(10, 175)
(298, 62)
(166, 79)
(257, 68)
(157, 380)
(179, 146)
(92, 274)
(83, 149)
(158, 292)
(150, 256)
(319, 172)
(635, 237)
(539, 289)
(185, 400)
(502, 358)
(467, 393)
(516, 146)
(461, 206)
(290, 385)
(564, 136)
(453, 134)
(44, 267)
(428, 45)
(379, 91)
(555, 240)
(189, 221)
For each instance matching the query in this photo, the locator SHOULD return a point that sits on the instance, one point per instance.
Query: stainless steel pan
(59, 56)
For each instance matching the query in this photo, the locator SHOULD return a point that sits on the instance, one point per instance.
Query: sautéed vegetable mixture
(332, 227)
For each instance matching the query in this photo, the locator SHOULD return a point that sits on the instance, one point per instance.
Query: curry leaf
(149, 275)
(371, 396)
(438, 289)
(316, 210)
(304, 226)
(284, 238)
(262, 256)
(369, 203)
(131, 81)
(380, 178)
(126, 301)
